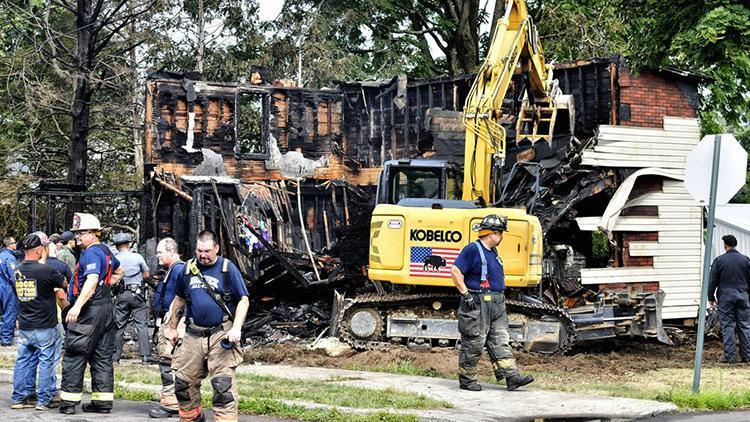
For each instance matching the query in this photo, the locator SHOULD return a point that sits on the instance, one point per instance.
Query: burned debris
(288, 178)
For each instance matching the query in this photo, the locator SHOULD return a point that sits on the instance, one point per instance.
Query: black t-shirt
(35, 287)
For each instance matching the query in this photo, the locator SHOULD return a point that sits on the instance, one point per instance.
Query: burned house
(288, 175)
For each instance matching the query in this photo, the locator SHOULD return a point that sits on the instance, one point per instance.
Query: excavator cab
(418, 179)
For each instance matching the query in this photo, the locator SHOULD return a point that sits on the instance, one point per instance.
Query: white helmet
(83, 221)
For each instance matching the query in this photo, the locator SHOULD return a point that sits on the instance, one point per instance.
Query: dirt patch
(599, 361)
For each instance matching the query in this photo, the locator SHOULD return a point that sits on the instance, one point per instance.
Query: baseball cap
(34, 240)
(67, 236)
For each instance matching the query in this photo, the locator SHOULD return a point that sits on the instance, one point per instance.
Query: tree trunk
(201, 37)
(134, 103)
(463, 54)
(82, 93)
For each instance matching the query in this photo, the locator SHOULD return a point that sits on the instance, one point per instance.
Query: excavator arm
(515, 44)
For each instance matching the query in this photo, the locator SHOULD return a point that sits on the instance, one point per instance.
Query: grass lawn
(722, 388)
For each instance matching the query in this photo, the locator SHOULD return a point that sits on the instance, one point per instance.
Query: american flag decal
(432, 262)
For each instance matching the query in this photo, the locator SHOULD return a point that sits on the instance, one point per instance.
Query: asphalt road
(124, 411)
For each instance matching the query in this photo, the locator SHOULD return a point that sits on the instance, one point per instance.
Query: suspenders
(484, 283)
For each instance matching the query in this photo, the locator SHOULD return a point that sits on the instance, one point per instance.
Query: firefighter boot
(515, 381)
(471, 387)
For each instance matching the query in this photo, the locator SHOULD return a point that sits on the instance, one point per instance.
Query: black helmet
(494, 222)
(121, 238)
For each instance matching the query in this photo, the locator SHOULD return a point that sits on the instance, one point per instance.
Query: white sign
(732, 169)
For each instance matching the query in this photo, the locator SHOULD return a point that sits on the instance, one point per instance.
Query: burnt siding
(590, 84)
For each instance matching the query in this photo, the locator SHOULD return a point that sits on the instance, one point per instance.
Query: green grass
(265, 395)
(707, 400)
(402, 367)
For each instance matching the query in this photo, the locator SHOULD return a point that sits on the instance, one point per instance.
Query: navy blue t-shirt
(94, 261)
(470, 264)
(203, 309)
(165, 290)
(61, 268)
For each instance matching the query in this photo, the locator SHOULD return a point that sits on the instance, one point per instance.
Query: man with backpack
(214, 293)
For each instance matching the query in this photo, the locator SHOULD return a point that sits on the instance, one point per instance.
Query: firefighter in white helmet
(90, 335)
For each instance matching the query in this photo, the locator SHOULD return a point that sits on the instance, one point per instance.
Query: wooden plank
(643, 149)
(676, 265)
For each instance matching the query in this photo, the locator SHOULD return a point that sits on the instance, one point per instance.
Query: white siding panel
(601, 162)
(642, 149)
(677, 254)
(679, 312)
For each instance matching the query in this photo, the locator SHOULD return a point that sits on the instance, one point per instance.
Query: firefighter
(131, 298)
(482, 318)
(90, 335)
(729, 279)
(166, 253)
(214, 293)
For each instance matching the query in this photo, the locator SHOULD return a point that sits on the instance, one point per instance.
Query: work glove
(468, 301)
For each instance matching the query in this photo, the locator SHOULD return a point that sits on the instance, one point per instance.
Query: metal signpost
(719, 188)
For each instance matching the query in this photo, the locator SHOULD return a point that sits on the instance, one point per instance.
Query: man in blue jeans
(8, 302)
(38, 334)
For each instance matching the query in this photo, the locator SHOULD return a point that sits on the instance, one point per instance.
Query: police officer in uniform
(8, 299)
(131, 298)
(168, 256)
(482, 318)
(90, 335)
(214, 292)
(730, 275)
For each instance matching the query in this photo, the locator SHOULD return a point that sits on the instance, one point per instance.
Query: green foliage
(711, 37)
(580, 29)
(600, 248)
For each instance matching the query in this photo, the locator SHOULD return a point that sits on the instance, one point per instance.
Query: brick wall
(641, 287)
(637, 261)
(647, 98)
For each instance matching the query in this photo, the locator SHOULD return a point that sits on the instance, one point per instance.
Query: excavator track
(384, 304)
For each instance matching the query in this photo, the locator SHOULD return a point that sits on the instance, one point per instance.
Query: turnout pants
(90, 340)
(128, 303)
(484, 326)
(734, 315)
(198, 357)
(165, 350)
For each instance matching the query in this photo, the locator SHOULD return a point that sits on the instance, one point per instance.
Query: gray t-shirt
(134, 266)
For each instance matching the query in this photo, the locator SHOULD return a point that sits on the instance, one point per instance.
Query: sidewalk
(491, 404)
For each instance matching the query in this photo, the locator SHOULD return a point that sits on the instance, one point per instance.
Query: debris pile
(287, 322)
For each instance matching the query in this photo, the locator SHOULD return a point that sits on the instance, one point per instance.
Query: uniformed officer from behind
(8, 299)
(90, 335)
(730, 275)
(168, 256)
(214, 292)
(482, 318)
(131, 298)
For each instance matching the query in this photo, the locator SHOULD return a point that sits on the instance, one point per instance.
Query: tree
(580, 29)
(710, 37)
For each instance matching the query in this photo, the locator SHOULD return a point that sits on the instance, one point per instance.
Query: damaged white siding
(678, 252)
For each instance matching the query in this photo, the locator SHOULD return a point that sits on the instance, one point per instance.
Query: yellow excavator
(427, 210)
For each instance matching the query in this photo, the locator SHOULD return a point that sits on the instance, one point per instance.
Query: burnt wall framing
(118, 209)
